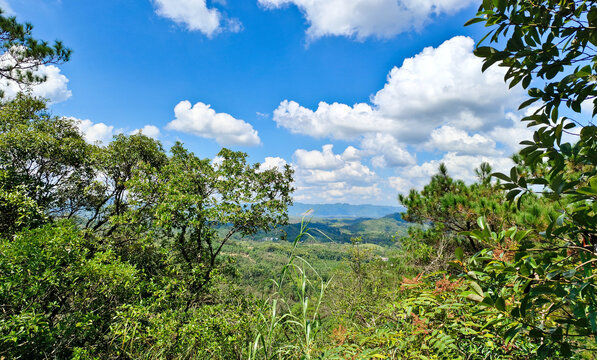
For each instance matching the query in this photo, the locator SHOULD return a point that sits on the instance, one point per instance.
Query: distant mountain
(376, 231)
(343, 210)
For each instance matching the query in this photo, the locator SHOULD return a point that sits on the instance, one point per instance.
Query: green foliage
(187, 200)
(114, 252)
(453, 207)
(544, 293)
(17, 210)
(23, 54)
(425, 318)
(56, 294)
(549, 279)
(42, 157)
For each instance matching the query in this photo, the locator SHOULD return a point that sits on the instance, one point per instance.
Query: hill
(342, 210)
(341, 230)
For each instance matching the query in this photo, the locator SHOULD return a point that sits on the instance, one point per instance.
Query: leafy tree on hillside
(115, 165)
(189, 199)
(44, 164)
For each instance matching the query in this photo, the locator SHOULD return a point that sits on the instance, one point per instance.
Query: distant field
(253, 264)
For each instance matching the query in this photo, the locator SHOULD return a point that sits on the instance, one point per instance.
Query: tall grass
(291, 323)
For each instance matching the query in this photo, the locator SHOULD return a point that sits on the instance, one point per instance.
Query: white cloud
(364, 18)
(438, 100)
(389, 151)
(272, 163)
(440, 86)
(95, 132)
(322, 160)
(54, 89)
(340, 192)
(444, 85)
(196, 16)
(354, 172)
(351, 154)
(201, 120)
(511, 136)
(401, 185)
(329, 177)
(148, 130)
(449, 138)
(335, 120)
(314, 167)
(459, 167)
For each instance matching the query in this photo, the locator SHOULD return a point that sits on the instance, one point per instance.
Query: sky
(363, 98)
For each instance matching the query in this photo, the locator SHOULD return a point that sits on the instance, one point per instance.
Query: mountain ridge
(342, 210)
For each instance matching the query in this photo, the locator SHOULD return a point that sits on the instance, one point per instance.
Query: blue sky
(363, 97)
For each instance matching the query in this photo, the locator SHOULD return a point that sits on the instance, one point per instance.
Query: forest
(133, 251)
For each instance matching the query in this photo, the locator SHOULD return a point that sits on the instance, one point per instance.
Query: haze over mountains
(341, 210)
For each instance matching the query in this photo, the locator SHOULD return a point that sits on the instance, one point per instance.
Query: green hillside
(375, 231)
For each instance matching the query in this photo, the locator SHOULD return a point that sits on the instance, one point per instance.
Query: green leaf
(501, 176)
(459, 253)
(527, 103)
(474, 297)
(474, 21)
(500, 304)
(477, 289)
(565, 349)
(512, 332)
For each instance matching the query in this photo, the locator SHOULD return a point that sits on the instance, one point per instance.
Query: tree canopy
(21, 54)
(549, 48)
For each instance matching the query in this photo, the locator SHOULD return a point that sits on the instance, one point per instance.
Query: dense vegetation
(127, 251)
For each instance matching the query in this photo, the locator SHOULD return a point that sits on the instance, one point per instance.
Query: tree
(21, 54)
(449, 210)
(549, 279)
(451, 207)
(44, 162)
(197, 205)
(114, 166)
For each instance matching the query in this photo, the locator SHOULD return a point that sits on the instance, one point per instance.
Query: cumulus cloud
(332, 177)
(459, 166)
(364, 18)
(316, 167)
(438, 100)
(387, 150)
(95, 132)
(272, 163)
(148, 130)
(440, 86)
(196, 16)
(399, 184)
(324, 166)
(339, 192)
(54, 89)
(449, 138)
(335, 120)
(322, 160)
(201, 120)
(350, 171)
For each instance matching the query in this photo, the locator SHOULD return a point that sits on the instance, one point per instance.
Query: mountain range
(342, 210)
